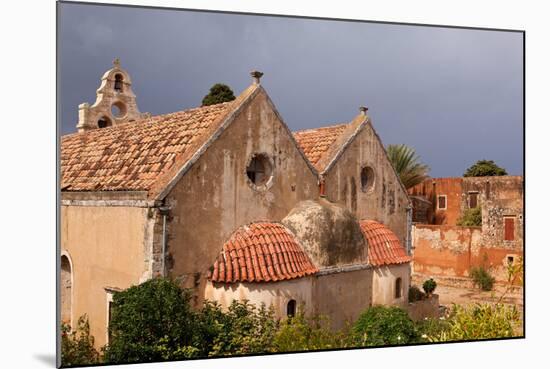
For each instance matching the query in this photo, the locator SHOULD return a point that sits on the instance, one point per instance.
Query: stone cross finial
(256, 76)
(116, 62)
(363, 110)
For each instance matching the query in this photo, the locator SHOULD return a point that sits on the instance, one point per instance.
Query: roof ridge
(335, 125)
(151, 119)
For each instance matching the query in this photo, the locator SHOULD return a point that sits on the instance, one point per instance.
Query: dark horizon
(455, 95)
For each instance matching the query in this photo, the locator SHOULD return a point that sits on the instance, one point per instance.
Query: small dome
(384, 246)
(329, 233)
(261, 252)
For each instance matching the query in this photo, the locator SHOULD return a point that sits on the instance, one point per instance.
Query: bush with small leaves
(381, 325)
(77, 346)
(482, 278)
(429, 286)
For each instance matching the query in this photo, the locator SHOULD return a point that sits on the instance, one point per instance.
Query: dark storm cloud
(455, 95)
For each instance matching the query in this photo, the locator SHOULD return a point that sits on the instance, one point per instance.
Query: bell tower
(115, 102)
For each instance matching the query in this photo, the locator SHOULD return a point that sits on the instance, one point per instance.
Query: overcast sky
(454, 95)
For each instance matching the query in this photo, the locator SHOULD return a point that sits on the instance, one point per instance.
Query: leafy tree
(407, 165)
(151, 322)
(470, 218)
(381, 325)
(219, 93)
(485, 168)
(77, 347)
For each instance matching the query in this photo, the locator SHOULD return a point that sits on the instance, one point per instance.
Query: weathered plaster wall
(215, 197)
(450, 251)
(276, 294)
(387, 201)
(343, 296)
(384, 278)
(108, 248)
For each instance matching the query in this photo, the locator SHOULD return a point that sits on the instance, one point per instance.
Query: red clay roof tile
(384, 246)
(316, 142)
(131, 156)
(271, 253)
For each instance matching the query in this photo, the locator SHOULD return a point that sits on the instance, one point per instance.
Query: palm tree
(407, 165)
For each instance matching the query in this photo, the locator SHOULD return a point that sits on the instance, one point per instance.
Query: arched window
(291, 308)
(118, 82)
(66, 289)
(104, 122)
(398, 288)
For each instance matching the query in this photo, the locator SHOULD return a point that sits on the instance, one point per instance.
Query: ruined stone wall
(110, 248)
(215, 196)
(450, 252)
(430, 189)
(386, 201)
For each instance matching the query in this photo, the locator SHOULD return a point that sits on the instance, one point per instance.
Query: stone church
(230, 203)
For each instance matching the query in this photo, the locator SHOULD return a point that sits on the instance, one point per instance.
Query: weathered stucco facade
(226, 201)
(384, 198)
(218, 190)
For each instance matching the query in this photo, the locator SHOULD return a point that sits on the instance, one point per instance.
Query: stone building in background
(228, 202)
(443, 249)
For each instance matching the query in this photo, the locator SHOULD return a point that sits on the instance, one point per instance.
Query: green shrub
(77, 347)
(302, 334)
(243, 329)
(151, 322)
(470, 218)
(480, 321)
(415, 294)
(429, 286)
(482, 278)
(381, 325)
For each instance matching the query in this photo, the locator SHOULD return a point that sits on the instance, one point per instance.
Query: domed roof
(261, 252)
(384, 246)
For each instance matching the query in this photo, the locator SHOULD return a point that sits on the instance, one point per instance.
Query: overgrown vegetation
(407, 164)
(219, 93)
(470, 218)
(77, 346)
(478, 321)
(482, 278)
(429, 286)
(154, 322)
(485, 168)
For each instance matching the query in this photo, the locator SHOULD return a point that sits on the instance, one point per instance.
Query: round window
(118, 109)
(367, 179)
(259, 170)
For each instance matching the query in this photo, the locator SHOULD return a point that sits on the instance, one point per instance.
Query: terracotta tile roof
(132, 156)
(261, 252)
(384, 246)
(316, 142)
